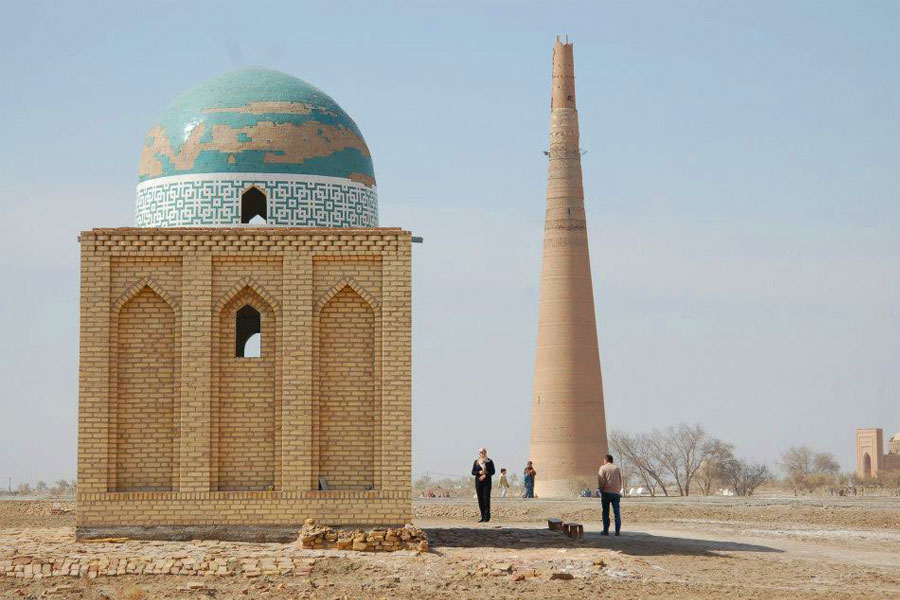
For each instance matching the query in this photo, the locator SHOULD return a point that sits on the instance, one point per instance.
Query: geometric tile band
(212, 199)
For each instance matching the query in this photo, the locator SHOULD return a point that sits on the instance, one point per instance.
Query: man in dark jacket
(483, 470)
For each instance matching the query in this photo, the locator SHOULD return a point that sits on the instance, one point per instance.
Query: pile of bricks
(378, 539)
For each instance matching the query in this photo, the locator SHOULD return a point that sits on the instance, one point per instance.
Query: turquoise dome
(256, 120)
(255, 146)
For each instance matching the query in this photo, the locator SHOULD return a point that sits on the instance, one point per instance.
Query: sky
(741, 183)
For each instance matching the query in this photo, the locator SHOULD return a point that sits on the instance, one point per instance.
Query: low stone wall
(388, 539)
(26, 567)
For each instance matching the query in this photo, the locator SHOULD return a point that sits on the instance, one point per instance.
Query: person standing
(528, 480)
(483, 470)
(504, 484)
(609, 480)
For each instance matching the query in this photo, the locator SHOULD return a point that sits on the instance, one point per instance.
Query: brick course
(175, 430)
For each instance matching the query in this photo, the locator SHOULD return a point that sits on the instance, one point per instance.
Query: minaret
(568, 425)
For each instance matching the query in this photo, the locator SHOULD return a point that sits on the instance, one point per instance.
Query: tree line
(61, 487)
(683, 458)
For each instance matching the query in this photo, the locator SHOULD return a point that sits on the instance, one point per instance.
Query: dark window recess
(247, 337)
(253, 206)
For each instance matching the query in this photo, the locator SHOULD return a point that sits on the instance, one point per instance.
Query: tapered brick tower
(568, 425)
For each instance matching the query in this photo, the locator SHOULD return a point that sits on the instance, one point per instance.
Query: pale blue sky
(741, 180)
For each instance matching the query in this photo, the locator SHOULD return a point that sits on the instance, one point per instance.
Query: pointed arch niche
(145, 343)
(246, 405)
(254, 206)
(347, 421)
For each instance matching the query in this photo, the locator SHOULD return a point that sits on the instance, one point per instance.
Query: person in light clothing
(503, 483)
(609, 480)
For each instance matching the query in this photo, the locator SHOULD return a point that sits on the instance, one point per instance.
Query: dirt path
(806, 549)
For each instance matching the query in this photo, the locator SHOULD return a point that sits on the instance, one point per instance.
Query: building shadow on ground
(634, 543)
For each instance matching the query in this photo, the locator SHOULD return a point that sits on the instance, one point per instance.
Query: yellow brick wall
(145, 394)
(346, 372)
(245, 412)
(335, 375)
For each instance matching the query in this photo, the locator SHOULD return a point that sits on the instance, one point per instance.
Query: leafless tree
(744, 477)
(711, 472)
(807, 470)
(824, 462)
(635, 450)
(681, 450)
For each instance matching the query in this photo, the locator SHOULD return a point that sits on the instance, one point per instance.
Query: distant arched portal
(867, 466)
(253, 206)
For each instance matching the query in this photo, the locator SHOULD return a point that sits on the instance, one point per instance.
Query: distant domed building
(245, 352)
(256, 144)
(894, 444)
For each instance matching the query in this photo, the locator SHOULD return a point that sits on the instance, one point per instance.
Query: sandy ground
(673, 548)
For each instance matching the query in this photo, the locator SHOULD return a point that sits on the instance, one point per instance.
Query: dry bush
(744, 477)
(889, 480)
(806, 470)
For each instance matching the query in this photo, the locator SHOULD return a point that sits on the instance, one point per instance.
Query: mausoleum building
(245, 350)
(871, 459)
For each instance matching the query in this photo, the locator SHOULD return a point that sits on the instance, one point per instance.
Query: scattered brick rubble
(37, 554)
(409, 537)
(33, 567)
(41, 553)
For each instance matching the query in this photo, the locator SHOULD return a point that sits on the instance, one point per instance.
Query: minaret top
(563, 95)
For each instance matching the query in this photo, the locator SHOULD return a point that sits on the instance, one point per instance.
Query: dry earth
(673, 548)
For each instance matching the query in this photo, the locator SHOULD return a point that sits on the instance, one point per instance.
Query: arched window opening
(247, 333)
(253, 207)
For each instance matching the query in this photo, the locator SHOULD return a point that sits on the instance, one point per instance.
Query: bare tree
(744, 477)
(825, 463)
(711, 472)
(807, 470)
(635, 449)
(681, 450)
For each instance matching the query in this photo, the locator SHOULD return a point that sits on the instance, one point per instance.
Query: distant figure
(483, 470)
(504, 484)
(528, 480)
(609, 480)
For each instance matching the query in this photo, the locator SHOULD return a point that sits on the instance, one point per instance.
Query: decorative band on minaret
(568, 424)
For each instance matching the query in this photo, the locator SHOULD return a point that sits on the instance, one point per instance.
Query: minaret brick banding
(568, 424)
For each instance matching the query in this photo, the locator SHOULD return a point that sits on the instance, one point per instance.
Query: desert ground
(776, 547)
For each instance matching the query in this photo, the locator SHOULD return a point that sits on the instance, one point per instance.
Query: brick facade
(176, 430)
(870, 456)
